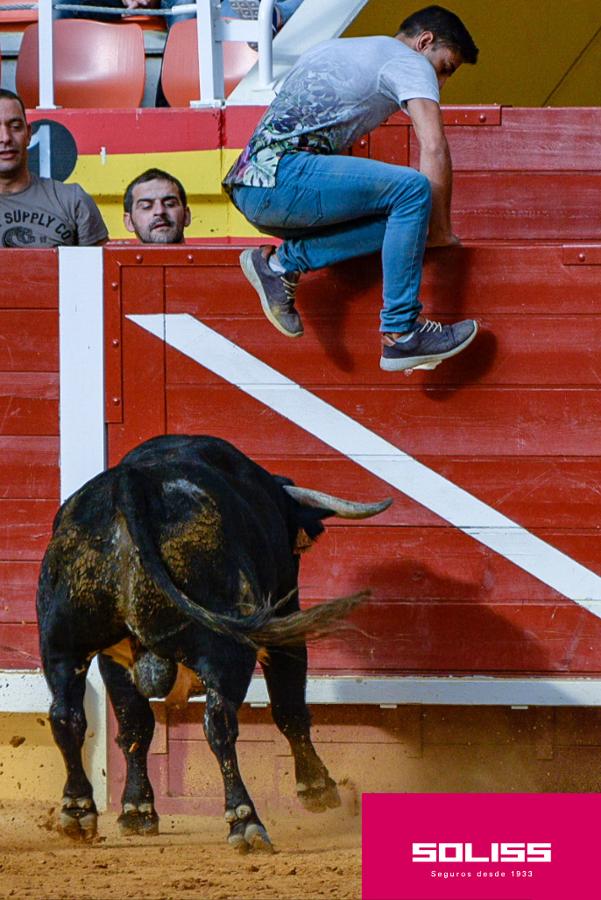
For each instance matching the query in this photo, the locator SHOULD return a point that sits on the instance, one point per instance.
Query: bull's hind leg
(286, 675)
(226, 689)
(136, 727)
(66, 676)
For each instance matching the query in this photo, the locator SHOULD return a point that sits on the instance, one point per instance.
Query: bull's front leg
(286, 675)
(136, 727)
(66, 677)
(247, 832)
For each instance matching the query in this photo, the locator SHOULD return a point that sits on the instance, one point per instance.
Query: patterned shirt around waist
(337, 92)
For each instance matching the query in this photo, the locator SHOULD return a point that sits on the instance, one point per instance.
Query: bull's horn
(344, 509)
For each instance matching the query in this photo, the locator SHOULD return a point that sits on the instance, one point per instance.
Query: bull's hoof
(257, 838)
(246, 831)
(78, 818)
(319, 796)
(141, 820)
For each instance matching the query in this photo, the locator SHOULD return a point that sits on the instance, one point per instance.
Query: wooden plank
(461, 639)
(138, 130)
(437, 421)
(18, 585)
(29, 280)
(239, 122)
(528, 140)
(29, 340)
(543, 492)
(28, 403)
(582, 255)
(29, 467)
(481, 116)
(19, 647)
(477, 280)
(517, 206)
(113, 339)
(410, 564)
(445, 638)
(390, 145)
(143, 363)
(25, 528)
(531, 140)
(541, 351)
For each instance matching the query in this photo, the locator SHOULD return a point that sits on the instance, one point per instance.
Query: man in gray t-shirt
(292, 180)
(38, 212)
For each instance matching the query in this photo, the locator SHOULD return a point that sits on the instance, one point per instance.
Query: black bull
(186, 552)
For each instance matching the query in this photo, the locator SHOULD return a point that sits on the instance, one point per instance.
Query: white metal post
(46, 55)
(266, 43)
(210, 55)
(83, 436)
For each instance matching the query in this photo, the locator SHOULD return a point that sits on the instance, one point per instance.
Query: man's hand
(141, 4)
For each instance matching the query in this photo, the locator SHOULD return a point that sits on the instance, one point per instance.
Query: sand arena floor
(316, 857)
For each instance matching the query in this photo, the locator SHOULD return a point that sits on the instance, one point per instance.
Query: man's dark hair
(152, 175)
(10, 95)
(447, 28)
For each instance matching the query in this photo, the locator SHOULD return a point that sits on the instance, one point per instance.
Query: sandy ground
(318, 857)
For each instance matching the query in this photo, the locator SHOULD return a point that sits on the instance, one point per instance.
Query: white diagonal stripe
(452, 503)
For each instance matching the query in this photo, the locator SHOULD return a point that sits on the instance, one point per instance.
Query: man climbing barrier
(292, 180)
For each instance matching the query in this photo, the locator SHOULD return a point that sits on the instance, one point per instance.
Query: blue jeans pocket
(294, 207)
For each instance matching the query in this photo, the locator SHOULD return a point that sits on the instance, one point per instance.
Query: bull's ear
(303, 542)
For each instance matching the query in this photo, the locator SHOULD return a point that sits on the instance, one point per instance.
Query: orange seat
(179, 76)
(15, 19)
(147, 23)
(95, 64)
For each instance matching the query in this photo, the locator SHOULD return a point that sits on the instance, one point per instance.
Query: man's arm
(91, 230)
(435, 164)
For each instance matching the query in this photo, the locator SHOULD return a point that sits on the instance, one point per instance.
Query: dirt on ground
(315, 857)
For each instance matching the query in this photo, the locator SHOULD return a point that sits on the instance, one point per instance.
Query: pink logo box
(481, 847)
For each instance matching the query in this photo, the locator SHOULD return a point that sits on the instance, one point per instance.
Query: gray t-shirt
(336, 92)
(49, 213)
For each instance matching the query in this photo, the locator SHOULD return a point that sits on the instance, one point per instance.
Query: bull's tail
(261, 627)
(307, 624)
(131, 503)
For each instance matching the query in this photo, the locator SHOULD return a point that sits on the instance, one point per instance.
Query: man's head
(155, 208)
(441, 37)
(15, 134)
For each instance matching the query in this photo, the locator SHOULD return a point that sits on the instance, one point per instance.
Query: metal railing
(212, 31)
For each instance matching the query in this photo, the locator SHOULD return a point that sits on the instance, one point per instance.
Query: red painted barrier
(512, 421)
(29, 476)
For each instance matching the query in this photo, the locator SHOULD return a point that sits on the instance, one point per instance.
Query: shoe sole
(425, 362)
(248, 268)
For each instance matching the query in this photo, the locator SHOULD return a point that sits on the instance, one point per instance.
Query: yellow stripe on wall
(213, 215)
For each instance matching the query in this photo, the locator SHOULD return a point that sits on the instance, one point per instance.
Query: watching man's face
(14, 138)
(158, 215)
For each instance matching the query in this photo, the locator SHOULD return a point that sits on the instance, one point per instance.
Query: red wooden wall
(29, 481)
(513, 420)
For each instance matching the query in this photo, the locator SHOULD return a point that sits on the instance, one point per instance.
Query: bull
(184, 558)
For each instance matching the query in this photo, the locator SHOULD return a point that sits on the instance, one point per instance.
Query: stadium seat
(16, 19)
(95, 65)
(180, 64)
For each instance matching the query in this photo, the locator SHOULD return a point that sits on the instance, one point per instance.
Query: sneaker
(276, 292)
(429, 344)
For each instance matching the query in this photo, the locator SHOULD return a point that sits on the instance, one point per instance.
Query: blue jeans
(332, 208)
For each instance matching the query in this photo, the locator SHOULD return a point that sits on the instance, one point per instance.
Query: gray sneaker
(276, 292)
(429, 345)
